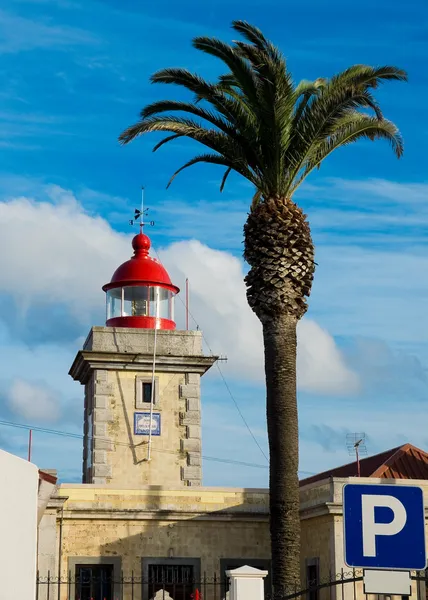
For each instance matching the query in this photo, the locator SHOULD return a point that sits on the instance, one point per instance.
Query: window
(143, 392)
(95, 577)
(312, 578)
(94, 582)
(179, 577)
(177, 580)
(147, 392)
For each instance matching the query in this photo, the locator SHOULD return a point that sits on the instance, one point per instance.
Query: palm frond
(169, 138)
(213, 159)
(225, 145)
(309, 87)
(231, 109)
(276, 100)
(304, 92)
(228, 81)
(320, 119)
(251, 33)
(216, 140)
(240, 69)
(256, 38)
(170, 105)
(350, 129)
(365, 75)
(225, 176)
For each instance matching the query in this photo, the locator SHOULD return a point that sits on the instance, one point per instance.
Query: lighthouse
(141, 376)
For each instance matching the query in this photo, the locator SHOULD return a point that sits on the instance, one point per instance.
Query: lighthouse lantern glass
(164, 303)
(114, 303)
(136, 301)
(140, 301)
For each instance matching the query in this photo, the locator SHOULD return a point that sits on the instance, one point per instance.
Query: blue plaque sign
(142, 423)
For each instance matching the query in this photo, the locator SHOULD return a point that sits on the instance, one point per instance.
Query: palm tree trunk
(280, 344)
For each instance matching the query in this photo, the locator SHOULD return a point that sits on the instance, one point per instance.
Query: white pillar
(246, 583)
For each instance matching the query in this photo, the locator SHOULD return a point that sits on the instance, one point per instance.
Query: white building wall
(18, 527)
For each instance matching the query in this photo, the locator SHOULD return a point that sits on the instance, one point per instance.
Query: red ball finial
(141, 244)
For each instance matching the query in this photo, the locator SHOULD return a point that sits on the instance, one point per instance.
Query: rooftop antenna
(356, 444)
(140, 213)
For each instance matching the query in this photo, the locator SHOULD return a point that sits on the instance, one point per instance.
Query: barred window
(177, 580)
(94, 582)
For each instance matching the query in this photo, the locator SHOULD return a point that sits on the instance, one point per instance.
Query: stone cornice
(324, 508)
(87, 361)
(57, 502)
(161, 515)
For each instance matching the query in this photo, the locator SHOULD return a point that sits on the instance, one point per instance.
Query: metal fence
(348, 585)
(340, 586)
(129, 587)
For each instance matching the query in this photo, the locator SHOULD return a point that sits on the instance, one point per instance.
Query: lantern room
(140, 293)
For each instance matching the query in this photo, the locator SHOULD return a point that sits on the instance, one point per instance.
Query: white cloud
(320, 364)
(58, 254)
(219, 306)
(33, 401)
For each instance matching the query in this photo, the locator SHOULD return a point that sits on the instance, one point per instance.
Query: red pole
(30, 438)
(187, 304)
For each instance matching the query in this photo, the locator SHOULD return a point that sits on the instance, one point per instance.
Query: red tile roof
(43, 476)
(404, 462)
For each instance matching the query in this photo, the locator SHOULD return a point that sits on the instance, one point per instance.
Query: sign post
(384, 533)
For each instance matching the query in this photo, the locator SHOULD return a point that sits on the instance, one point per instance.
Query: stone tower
(142, 419)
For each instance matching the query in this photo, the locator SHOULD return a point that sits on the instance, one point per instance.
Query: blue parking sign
(384, 526)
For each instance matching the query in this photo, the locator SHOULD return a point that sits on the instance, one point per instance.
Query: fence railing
(333, 587)
(347, 585)
(129, 587)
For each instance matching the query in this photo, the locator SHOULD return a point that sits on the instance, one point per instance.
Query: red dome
(141, 269)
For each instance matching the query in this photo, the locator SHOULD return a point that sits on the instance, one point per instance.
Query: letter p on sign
(371, 529)
(384, 526)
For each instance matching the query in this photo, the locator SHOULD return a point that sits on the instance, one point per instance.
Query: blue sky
(74, 75)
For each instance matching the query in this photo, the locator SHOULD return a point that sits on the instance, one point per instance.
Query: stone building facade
(130, 530)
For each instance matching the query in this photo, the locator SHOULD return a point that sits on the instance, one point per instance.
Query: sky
(74, 75)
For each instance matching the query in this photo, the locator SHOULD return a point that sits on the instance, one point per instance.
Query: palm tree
(254, 120)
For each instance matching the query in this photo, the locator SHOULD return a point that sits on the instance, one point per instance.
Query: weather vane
(140, 213)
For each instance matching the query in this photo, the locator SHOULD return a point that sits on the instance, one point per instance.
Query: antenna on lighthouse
(140, 213)
(356, 444)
